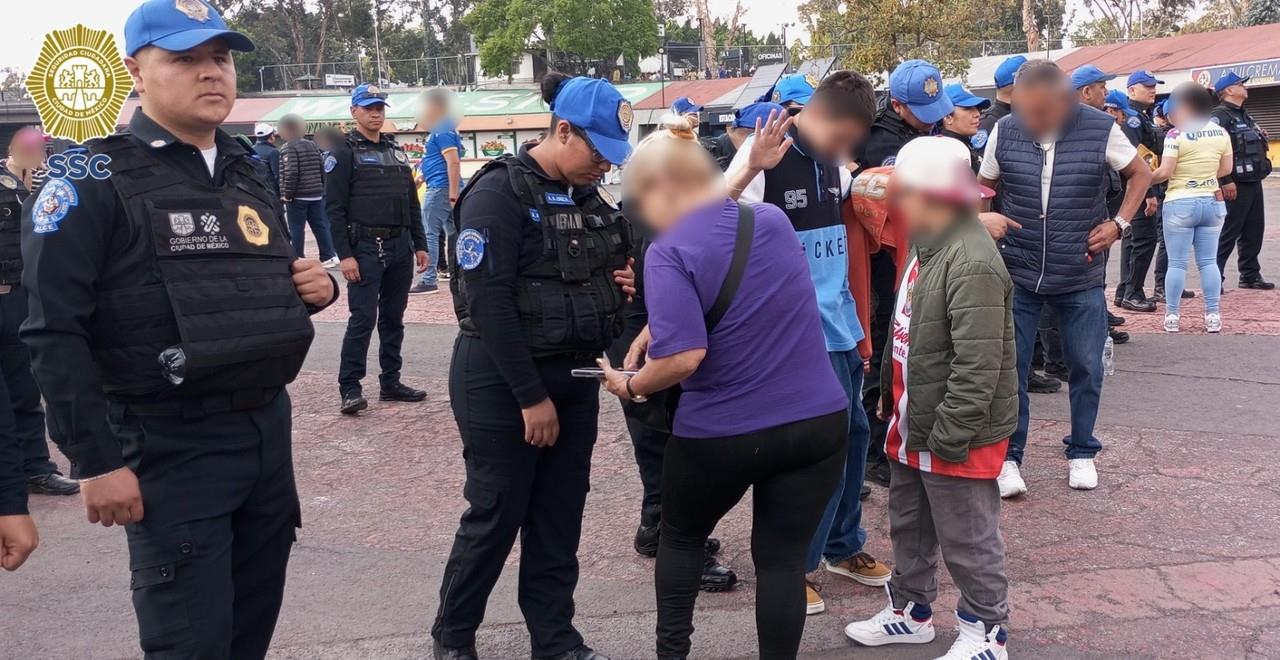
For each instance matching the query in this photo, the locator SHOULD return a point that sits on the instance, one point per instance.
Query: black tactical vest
(12, 192)
(381, 183)
(568, 301)
(1248, 144)
(223, 289)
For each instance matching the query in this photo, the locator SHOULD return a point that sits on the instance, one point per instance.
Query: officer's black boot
(715, 577)
(646, 542)
(353, 403)
(52, 484)
(583, 652)
(441, 652)
(400, 392)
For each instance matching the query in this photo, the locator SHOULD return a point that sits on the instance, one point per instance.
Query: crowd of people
(938, 256)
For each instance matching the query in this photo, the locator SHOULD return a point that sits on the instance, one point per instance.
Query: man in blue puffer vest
(1049, 162)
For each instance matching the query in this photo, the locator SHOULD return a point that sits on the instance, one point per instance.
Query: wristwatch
(635, 398)
(1123, 225)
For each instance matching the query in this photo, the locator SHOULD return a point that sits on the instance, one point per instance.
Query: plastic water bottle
(173, 364)
(1108, 357)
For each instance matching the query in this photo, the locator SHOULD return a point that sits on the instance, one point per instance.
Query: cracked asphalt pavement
(1175, 555)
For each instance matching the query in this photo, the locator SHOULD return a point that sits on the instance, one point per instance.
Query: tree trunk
(1029, 26)
(708, 35)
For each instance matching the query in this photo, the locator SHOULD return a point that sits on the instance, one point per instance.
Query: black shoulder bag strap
(737, 267)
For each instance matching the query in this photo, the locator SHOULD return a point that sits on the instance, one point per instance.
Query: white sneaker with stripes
(975, 643)
(891, 626)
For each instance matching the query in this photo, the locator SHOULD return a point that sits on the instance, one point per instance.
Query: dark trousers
(208, 559)
(1245, 223)
(514, 488)
(302, 213)
(648, 443)
(1162, 255)
(791, 470)
(884, 275)
(1082, 319)
(1048, 348)
(21, 413)
(1136, 253)
(378, 299)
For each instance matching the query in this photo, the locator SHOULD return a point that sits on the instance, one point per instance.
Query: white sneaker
(1083, 476)
(1010, 480)
(331, 262)
(891, 626)
(1170, 322)
(975, 643)
(1213, 322)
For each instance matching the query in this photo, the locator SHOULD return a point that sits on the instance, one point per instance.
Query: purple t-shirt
(766, 361)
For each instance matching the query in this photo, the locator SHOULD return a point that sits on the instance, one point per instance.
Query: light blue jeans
(1193, 222)
(435, 220)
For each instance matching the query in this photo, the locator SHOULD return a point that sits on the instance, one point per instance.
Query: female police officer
(539, 282)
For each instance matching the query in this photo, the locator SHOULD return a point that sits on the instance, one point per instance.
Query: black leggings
(794, 469)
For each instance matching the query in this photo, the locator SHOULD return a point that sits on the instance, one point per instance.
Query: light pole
(377, 41)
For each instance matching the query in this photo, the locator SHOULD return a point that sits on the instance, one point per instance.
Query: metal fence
(455, 71)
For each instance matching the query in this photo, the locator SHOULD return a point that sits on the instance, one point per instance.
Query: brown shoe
(862, 568)
(813, 594)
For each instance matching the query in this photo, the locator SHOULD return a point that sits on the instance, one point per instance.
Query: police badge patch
(607, 197)
(889, 161)
(194, 9)
(329, 163)
(1133, 122)
(8, 181)
(470, 249)
(626, 115)
(979, 139)
(251, 226)
(400, 157)
(182, 224)
(56, 200)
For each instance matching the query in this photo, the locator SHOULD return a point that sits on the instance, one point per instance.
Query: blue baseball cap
(963, 98)
(366, 95)
(1142, 77)
(598, 109)
(919, 85)
(685, 105)
(746, 116)
(178, 25)
(1118, 100)
(1007, 69)
(1228, 79)
(794, 88)
(1087, 75)
(1166, 106)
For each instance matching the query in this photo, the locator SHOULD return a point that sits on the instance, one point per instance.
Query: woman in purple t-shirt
(761, 406)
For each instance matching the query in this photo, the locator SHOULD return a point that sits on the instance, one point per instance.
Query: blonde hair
(671, 152)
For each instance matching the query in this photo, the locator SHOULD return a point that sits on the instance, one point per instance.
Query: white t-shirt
(210, 155)
(754, 192)
(1120, 152)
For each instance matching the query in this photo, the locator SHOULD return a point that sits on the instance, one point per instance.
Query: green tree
(600, 30)
(1261, 12)
(1112, 20)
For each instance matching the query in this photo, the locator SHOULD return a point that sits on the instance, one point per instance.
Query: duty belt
(365, 231)
(198, 407)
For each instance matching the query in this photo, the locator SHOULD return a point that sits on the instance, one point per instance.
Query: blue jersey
(443, 138)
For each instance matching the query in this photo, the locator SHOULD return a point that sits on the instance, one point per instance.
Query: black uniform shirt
(994, 113)
(337, 197)
(513, 243)
(885, 139)
(1235, 119)
(94, 245)
(13, 481)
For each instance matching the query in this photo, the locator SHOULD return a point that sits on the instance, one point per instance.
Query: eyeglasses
(597, 158)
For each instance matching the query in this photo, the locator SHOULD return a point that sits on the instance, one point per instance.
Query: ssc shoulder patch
(979, 139)
(1213, 119)
(889, 161)
(56, 200)
(607, 197)
(471, 245)
(8, 181)
(329, 163)
(560, 199)
(400, 157)
(1133, 122)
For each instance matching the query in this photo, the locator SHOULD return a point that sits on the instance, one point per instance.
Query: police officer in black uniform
(377, 231)
(1002, 105)
(1242, 188)
(539, 284)
(724, 147)
(895, 126)
(167, 315)
(21, 413)
(1139, 248)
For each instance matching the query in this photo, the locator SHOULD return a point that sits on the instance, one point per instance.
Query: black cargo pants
(220, 510)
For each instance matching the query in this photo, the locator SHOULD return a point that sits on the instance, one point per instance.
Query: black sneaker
(1138, 304)
(52, 484)
(646, 542)
(1113, 320)
(423, 288)
(441, 652)
(400, 392)
(1157, 295)
(1058, 371)
(1118, 336)
(353, 403)
(717, 577)
(1257, 284)
(1039, 384)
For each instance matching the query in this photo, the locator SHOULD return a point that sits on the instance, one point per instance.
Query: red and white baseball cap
(939, 167)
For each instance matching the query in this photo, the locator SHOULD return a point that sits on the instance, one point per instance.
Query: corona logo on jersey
(79, 83)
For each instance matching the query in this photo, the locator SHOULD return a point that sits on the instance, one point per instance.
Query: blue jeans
(302, 213)
(1188, 222)
(1082, 319)
(840, 534)
(435, 219)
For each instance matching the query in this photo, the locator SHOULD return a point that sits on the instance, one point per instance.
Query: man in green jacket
(951, 398)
